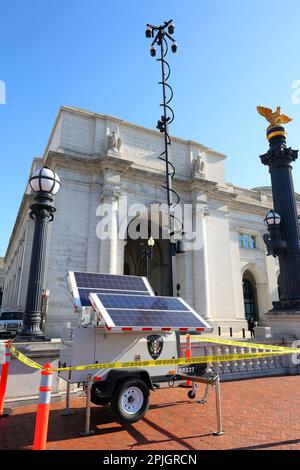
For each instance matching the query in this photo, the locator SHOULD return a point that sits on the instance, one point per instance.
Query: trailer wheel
(130, 400)
(96, 397)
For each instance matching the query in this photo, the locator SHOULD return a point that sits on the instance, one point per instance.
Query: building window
(247, 241)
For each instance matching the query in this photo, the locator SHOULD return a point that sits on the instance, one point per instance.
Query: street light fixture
(272, 218)
(146, 252)
(45, 183)
(275, 245)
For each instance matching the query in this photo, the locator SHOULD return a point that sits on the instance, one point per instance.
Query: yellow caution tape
(154, 363)
(166, 362)
(228, 342)
(274, 351)
(24, 359)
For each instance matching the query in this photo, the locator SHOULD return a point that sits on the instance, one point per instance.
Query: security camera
(171, 28)
(174, 47)
(153, 51)
(148, 32)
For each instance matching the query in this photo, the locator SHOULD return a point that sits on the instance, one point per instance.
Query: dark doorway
(135, 265)
(250, 297)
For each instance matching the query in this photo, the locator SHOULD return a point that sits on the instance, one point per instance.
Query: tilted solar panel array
(128, 303)
(140, 313)
(82, 284)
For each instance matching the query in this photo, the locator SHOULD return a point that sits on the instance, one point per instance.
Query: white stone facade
(93, 174)
(2, 277)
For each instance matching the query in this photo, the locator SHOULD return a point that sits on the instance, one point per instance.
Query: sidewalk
(257, 414)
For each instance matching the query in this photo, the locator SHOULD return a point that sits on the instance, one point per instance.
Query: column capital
(279, 156)
(113, 194)
(201, 208)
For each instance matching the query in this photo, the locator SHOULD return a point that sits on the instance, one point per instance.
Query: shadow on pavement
(17, 430)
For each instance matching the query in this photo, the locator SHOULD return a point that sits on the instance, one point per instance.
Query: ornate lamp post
(282, 223)
(146, 252)
(44, 183)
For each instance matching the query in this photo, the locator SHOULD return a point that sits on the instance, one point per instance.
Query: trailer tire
(130, 400)
(192, 393)
(96, 397)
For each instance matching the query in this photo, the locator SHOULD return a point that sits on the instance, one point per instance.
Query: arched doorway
(250, 297)
(135, 265)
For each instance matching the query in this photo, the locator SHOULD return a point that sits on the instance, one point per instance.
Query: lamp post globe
(44, 183)
(151, 242)
(44, 180)
(272, 218)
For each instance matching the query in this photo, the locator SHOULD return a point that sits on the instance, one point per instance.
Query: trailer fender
(115, 376)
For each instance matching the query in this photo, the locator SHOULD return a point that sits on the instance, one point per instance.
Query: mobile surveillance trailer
(123, 321)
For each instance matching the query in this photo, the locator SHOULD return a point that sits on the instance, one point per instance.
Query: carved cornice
(126, 168)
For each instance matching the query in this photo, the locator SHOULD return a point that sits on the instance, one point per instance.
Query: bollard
(88, 431)
(219, 330)
(42, 417)
(188, 353)
(230, 331)
(67, 411)
(244, 334)
(220, 431)
(3, 380)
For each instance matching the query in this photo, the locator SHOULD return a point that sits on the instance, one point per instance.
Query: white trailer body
(91, 345)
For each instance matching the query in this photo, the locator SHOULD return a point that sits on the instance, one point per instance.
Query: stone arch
(253, 274)
(158, 272)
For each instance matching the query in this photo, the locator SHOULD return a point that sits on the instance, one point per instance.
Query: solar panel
(82, 284)
(84, 294)
(134, 312)
(141, 303)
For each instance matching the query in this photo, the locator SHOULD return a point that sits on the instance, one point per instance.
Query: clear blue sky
(232, 56)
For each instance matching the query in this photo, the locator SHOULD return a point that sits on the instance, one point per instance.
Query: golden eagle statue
(275, 118)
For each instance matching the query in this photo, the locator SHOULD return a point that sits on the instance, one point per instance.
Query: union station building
(102, 160)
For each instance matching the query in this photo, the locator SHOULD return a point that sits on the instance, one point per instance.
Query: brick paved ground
(257, 414)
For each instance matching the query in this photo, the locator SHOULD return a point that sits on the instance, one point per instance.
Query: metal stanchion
(203, 400)
(220, 431)
(88, 431)
(67, 411)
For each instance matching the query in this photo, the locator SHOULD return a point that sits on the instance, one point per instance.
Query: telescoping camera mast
(161, 35)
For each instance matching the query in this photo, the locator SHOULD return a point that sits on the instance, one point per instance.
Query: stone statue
(275, 118)
(113, 143)
(198, 166)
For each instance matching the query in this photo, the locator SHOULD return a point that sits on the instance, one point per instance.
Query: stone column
(120, 256)
(93, 244)
(200, 262)
(107, 231)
